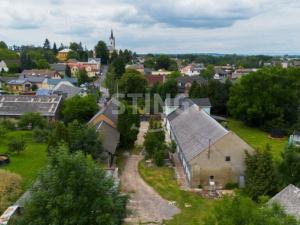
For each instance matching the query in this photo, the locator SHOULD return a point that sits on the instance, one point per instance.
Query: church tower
(112, 42)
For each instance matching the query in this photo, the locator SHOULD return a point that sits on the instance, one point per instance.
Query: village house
(35, 81)
(161, 72)
(19, 86)
(172, 104)
(207, 151)
(3, 67)
(62, 55)
(184, 83)
(138, 67)
(59, 67)
(153, 79)
(289, 199)
(238, 73)
(4, 80)
(50, 84)
(14, 106)
(92, 67)
(53, 74)
(192, 69)
(68, 91)
(106, 122)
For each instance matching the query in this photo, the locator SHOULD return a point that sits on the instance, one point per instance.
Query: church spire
(112, 34)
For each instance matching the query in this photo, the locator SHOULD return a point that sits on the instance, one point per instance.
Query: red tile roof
(153, 79)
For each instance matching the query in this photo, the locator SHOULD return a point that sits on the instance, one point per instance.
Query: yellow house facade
(62, 55)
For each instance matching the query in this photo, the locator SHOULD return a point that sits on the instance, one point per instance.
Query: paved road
(146, 205)
(99, 83)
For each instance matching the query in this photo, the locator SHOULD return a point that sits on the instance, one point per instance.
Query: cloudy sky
(158, 26)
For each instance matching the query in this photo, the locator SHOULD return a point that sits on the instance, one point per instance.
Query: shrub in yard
(155, 142)
(16, 145)
(231, 186)
(242, 210)
(8, 124)
(40, 135)
(32, 120)
(3, 131)
(10, 188)
(172, 146)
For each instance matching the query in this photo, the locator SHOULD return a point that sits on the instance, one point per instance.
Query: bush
(155, 142)
(16, 145)
(32, 120)
(40, 135)
(10, 188)
(172, 146)
(231, 186)
(8, 124)
(3, 131)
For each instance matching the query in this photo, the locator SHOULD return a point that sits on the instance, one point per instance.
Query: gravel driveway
(145, 205)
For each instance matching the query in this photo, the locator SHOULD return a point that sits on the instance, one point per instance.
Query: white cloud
(230, 26)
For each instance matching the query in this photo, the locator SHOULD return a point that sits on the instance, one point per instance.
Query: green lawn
(164, 182)
(257, 138)
(28, 163)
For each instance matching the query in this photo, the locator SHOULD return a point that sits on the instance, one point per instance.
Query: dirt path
(145, 205)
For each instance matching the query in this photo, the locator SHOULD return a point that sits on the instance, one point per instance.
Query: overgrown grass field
(163, 180)
(258, 139)
(28, 163)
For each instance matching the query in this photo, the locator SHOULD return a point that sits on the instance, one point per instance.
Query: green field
(28, 163)
(163, 180)
(257, 138)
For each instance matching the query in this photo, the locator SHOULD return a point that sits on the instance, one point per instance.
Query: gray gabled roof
(110, 136)
(59, 67)
(201, 102)
(289, 199)
(110, 110)
(194, 129)
(17, 105)
(69, 91)
(7, 79)
(33, 79)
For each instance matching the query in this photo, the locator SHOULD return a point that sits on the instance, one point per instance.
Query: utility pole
(208, 148)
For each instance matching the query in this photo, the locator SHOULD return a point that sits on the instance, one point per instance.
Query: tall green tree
(79, 108)
(43, 64)
(111, 80)
(54, 49)
(163, 62)
(3, 45)
(132, 82)
(47, 44)
(266, 95)
(82, 77)
(119, 66)
(102, 52)
(32, 120)
(209, 72)
(289, 168)
(261, 177)
(241, 210)
(155, 142)
(128, 125)
(73, 55)
(74, 190)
